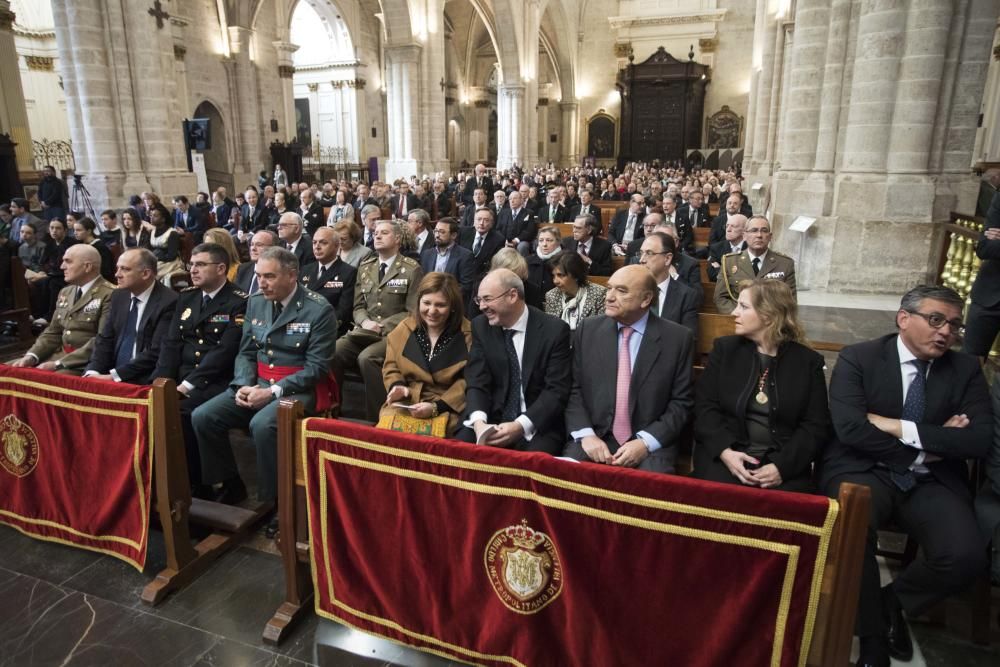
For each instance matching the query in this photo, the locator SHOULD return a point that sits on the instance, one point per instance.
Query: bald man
(649, 359)
(82, 308)
(735, 227)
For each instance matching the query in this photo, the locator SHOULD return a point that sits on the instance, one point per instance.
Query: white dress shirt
(911, 436)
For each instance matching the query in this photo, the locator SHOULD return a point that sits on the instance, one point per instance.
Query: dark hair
(134, 200)
(162, 210)
(571, 264)
(911, 300)
(452, 224)
(437, 281)
(180, 199)
(87, 224)
(77, 215)
(667, 243)
(60, 221)
(215, 251)
(110, 212)
(19, 202)
(136, 218)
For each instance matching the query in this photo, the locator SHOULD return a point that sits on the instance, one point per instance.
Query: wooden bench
(834, 626)
(701, 235)
(20, 310)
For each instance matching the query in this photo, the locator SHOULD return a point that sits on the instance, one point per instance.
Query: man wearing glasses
(757, 261)
(908, 411)
(519, 372)
(202, 343)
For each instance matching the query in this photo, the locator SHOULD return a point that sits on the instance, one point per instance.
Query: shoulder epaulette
(409, 260)
(779, 254)
(240, 293)
(370, 259)
(189, 289)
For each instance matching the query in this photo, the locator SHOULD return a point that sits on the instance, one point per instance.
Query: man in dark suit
(419, 223)
(362, 197)
(732, 207)
(572, 200)
(984, 312)
(292, 237)
(676, 301)
(552, 212)
(201, 345)
(518, 375)
(128, 347)
(448, 256)
(478, 202)
(187, 218)
(735, 226)
(440, 201)
(245, 277)
(517, 224)
(908, 412)
(331, 277)
(626, 225)
(595, 251)
(690, 216)
(254, 216)
(478, 181)
(650, 359)
(403, 201)
(586, 206)
(483, 241)
(311, 212)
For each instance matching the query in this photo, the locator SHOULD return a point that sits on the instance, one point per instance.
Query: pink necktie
(622, 427)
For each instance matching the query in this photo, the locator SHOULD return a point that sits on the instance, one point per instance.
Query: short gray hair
(285, 258)
(291, 215)
(508, 280)
(397, 230)
(422, 215)
(369, 209)
(911, 300)
(146, 259)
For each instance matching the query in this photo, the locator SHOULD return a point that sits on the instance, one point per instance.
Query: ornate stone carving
(286, 71)
(40, 63)
(711, 16)
(482, 104)
(543, 101)
(6, 19)
(179, 52)
(358, 83)
(724, 129)
(313, 87)
(449, 100)
(707, 45)
(623, 49)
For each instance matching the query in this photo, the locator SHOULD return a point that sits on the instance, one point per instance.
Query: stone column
(510, 117)
(833, 85)
(762, 104)
(570, 140)
(286, 70)
(247, 106)
(812, 20)
(542, 129)
(402, 87)
(777, 81)
(13, 111)
(432, 148)
(987, 148)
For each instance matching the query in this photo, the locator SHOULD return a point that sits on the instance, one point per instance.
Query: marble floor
(62, 606)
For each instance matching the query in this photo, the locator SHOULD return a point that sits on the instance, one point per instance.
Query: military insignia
(305, 279)
(398, 282)
(186, 314)
(333, 284)
(62, 303)
(219, 317)
(733, 269)
(775, 275)
(523, 568)
(298, 327)
(94, 305)
(239, 320)
(19, 453)
(240, 293)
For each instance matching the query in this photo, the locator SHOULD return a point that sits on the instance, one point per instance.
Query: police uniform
(199, 351)
(736, 266)
(69, 338)
(299, 342)
(336, 285)
(387, 302)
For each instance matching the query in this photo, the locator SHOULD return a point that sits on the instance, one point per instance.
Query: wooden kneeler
(185, 561)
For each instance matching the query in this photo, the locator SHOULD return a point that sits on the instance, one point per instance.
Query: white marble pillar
(510, 119)
(570, 139)
(247, 105)
(13, 111)
(402, 77)
(286, 70)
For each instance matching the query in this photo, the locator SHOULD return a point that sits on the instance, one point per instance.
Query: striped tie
(622, 426)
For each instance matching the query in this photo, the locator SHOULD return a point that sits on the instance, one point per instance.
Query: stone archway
(218, 166)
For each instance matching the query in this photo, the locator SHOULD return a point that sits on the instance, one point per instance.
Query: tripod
(80, 201)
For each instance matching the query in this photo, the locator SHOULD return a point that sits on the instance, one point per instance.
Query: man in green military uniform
(202, 343)
(757, 261)
(385, 293)
(288, 339)
(81, 310)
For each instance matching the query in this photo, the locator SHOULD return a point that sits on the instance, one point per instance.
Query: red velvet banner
(76, 461)
(507, 558)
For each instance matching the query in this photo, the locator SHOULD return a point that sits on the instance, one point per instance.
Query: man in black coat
(201, 344)
(478, 202)
(483, 241)
(983, 319)
(552, 212)
(246, 279)
(254, 215)
(908, 412)
(585, 207)
(311, 212)
(517, 224)
(676, 301)
(128, 347)
(690, 216)
(52, 194)
(656, 386)
(732, 207)
(404, 201)
(518, 375)
(626, 225)
(293, 238)
(595, 251)
(479, 180)
(447, 256)
(331, 277)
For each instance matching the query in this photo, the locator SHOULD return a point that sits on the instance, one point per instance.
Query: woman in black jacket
(761, 412)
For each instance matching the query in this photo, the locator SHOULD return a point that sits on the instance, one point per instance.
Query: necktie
(381, 271)
(253, 285)
(621, 428)
(205, 300)
(370, 240)
(126, 344)
(512, 403)
(756, 265)
(250, 215)
(583, 249)
(402, 206)
(478, 246)
(79, 295)
(276, 311)
(552, 213)
(913, 410)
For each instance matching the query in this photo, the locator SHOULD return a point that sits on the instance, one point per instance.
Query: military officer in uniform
(757, 261)
(81, 310)
(331, 277)
(385, 294)
(288, 338)
(202, 343)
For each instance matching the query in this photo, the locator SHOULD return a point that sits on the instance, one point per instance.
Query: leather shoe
(271, 531)
(900, 644)
(874, 653)
(233, 492)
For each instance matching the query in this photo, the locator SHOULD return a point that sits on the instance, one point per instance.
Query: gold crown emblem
(524, 536)
(19, 450)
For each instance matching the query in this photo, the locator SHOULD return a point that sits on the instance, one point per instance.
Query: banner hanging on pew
(76, 461)
(507, 558)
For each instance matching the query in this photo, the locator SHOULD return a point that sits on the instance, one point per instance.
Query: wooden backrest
(606, 215)
(18, 284)
(565, 229)
(701, 235)
(386, 213)
(710, 327)
(598, 280)
(187, 245)
(713, 209)
(703, 266)
(707, 298)
(617, 262)
(326, 213)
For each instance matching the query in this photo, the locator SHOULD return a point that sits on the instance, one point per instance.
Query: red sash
(327, 391)
(68, 348)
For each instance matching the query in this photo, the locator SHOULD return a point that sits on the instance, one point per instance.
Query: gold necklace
(761, 397)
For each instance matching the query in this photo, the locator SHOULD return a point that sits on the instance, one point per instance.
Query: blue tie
(127, 341)
(913, 411)
(512, 402)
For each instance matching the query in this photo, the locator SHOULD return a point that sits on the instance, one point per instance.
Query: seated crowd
(461, 304)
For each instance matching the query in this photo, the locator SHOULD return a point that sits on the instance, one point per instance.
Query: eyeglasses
(758, 230)
(650, 253)
(480, 300)
(202, 265)
(937, 320)
(287, 224)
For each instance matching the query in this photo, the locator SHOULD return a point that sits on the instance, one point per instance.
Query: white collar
(521, 325)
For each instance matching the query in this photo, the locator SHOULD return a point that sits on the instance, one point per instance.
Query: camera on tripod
(78, 179)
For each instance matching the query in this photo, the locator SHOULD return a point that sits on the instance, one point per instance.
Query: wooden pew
(565, 229)
(20, 310)
(713, 209)
(707, 297)
(834, 627)
(710, 327)
(701, 235)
